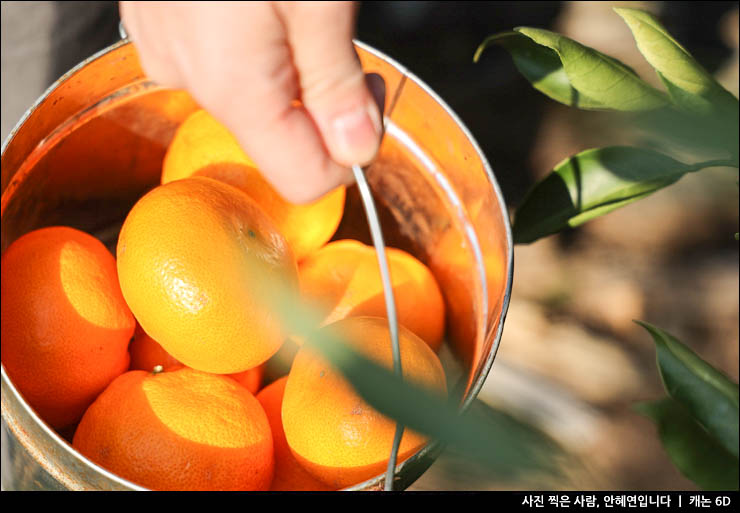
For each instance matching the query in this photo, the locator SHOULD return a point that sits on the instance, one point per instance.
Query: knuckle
(330, 83)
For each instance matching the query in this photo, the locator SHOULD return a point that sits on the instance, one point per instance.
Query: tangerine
(65, 325)
(194, 257)
(332, 432)
(179, 430)
(147, 354)
(202, 146)
(343, 280)
(289, 474)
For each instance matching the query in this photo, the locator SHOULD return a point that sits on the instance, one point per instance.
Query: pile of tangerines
(152, 363)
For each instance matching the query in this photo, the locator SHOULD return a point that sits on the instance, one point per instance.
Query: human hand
(247, 64)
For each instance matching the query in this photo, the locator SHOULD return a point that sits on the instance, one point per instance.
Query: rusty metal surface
(93, 144)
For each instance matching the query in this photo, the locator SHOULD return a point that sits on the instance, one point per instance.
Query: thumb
(334, 90)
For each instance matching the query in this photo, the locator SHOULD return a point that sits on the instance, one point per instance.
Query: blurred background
(571, 360)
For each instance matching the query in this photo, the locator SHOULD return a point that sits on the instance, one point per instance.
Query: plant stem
(712, 163)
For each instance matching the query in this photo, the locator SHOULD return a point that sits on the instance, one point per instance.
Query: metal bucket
(93, 144)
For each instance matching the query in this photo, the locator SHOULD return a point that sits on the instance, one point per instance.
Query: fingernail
(357, 135)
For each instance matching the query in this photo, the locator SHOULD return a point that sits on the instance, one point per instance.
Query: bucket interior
(85, 164)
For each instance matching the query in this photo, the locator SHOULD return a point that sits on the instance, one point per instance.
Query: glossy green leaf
(590, 184)
(541, 66)
(690, 86)
(693, 451)
(598, 77)
(685, 132)
(709, 396)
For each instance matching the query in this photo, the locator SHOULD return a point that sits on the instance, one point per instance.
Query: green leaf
(590, 184)
(541, 66)
(686, 132)
(598, 77)
(693, 451)
(689, 85)
(691, 88)
(709, 396)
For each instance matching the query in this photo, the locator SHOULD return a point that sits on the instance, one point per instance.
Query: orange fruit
(202, 146)
(331, 431)
(194, 256)
(342, 279)
(179, 430)
(289, 474)
(279, 365)
(250, 379)
(65, 326)
(146, 354)
(457, 273)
